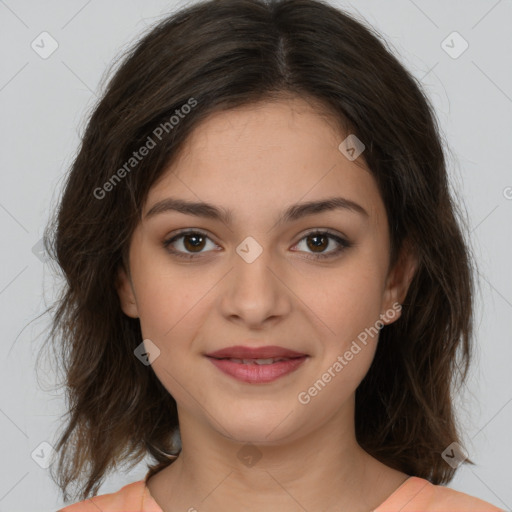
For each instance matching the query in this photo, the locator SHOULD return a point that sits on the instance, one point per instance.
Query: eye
(194, 241)
(317, 241)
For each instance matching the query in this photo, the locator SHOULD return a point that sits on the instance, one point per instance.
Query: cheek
(346, 300)
(168, 295)
(169, 317)
(348, 303)
(166, 309)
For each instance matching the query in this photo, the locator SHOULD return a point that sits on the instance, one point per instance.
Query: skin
(256, 161)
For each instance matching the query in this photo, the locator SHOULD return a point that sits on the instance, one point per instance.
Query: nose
(255, 291)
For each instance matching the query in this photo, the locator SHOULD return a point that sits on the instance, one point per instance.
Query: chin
(260, 428)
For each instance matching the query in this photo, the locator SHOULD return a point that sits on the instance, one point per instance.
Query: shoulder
(127, 499)
(418, 494)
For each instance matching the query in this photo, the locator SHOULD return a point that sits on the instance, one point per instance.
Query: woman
(267, 285)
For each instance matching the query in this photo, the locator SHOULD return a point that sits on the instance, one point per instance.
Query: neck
(323, 470)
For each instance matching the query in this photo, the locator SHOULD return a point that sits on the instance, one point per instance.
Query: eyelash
(343, 244)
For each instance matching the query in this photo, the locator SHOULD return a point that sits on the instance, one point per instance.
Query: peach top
(414, 495)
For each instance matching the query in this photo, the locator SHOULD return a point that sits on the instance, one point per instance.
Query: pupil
(318, 244)
(195, 245)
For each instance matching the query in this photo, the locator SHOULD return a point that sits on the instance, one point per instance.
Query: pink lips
(252, 372)
(241, 352)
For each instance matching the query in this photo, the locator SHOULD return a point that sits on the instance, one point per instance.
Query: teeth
(262, 361)
(258, 361)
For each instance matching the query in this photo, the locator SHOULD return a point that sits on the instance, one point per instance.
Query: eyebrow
(292, 213)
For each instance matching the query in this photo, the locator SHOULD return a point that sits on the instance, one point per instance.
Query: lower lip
(257, 373)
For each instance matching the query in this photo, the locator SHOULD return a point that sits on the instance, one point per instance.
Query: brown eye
(319, 241)
(193, 242)
(187, 244)
(190, 244)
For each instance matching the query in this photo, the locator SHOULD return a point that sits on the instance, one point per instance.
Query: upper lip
(267, 352)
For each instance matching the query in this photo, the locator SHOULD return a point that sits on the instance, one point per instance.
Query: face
(311, 282)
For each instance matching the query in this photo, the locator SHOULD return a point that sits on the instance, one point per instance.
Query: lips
(257, 365)
(240, 352)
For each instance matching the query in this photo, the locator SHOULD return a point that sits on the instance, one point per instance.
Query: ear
(397, 284)
(126, 294)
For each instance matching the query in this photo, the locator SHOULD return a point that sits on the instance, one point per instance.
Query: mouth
(264, 354)
(260, 361)
(258, 370)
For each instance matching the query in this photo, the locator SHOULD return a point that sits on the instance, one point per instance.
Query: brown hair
(213, 56)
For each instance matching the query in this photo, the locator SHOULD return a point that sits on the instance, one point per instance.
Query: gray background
(44, 105)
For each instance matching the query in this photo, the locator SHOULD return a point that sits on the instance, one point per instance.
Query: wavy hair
(215, 55)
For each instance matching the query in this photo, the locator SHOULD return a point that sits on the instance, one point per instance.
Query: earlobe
(398, 282)
(126, 294)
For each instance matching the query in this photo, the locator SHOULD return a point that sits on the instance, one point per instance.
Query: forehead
(262, 156)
